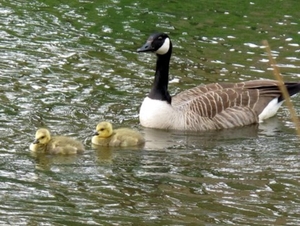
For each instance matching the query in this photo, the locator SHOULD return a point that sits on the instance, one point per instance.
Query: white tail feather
(270, 110)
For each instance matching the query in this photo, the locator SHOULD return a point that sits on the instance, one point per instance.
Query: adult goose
(206, 107)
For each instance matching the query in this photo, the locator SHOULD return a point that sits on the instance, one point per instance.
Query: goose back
(209, 100)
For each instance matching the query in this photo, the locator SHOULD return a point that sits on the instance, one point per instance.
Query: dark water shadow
(45, 161)
(162, 139)
(108, 154)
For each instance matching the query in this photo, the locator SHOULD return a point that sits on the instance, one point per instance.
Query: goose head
(42, 137)
(103, 130)
(158, 43)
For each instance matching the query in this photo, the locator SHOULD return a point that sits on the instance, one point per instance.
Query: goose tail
(292, 88)
(271, 109)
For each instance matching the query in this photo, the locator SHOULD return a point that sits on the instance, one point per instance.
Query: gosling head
(42, 137)
(104, 130)
(158, 43)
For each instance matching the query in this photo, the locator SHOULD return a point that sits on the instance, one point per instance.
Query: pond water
(67, 65)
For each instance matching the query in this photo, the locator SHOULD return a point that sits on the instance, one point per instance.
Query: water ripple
(68, 65)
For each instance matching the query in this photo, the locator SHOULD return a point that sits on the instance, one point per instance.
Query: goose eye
(159, 38)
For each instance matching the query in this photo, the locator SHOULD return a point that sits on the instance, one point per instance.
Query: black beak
(36, 141)
(146, 48)
(95, 133)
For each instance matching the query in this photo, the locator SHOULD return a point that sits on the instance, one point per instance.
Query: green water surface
(67, 65)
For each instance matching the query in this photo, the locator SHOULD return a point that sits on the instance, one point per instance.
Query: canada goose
(44, 143)
(106, 136)
(206, 107)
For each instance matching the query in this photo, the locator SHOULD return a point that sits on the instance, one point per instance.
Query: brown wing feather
(210, 100)
(229, 118)
(263, 85)
(212, 103)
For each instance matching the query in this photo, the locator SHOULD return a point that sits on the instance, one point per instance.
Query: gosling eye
(102, 129)
(42, 137)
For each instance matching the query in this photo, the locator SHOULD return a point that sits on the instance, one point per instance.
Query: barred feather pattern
(221, 106)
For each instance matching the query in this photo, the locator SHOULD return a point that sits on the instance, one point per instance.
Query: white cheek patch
(164, 48)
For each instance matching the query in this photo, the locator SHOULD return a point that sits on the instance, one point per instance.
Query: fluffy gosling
(123, 137)
(44, 143)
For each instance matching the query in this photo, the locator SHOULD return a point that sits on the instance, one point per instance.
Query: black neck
(159, 89)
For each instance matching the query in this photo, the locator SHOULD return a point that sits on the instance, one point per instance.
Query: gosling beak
(36, 141)
(146, 47)
(95, 133)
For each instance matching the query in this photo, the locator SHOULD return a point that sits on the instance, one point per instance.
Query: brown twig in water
(283, 88)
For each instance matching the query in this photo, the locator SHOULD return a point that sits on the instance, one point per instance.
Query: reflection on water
(45, 162)
(69, 65)
(162, 139)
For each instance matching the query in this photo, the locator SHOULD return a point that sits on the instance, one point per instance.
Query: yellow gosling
(44, 143)
(106, 136)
